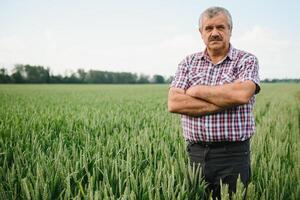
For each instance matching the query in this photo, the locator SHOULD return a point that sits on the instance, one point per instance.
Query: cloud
(10, 46)
(160, 57)
(276, 52)
(36, 49)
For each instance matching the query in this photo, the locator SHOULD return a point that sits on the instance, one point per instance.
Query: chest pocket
(226, 78)
(197, 78)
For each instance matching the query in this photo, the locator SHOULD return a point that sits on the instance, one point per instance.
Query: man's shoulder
(190, 58)
(242, 54)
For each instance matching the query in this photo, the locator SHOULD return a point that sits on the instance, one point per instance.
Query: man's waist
(218, 144)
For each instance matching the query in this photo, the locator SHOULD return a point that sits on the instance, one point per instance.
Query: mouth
(215, 41)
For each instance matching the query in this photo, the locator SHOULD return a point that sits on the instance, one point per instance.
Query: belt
(218, 144)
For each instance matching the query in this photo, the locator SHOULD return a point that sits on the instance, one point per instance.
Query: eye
(220, 27)
(208, 28)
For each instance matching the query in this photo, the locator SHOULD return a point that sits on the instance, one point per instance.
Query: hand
(192, 91)
(238, 81)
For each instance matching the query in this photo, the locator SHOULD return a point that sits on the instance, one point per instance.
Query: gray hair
(212, 12)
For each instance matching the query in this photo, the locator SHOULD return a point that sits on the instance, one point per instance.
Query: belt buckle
(203, 143)
(208, 144)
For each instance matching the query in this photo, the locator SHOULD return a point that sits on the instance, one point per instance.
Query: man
(214, 92)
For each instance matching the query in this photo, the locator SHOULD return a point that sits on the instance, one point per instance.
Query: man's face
(215, 32)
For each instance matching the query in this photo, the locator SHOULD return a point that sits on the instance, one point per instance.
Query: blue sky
(149, 37)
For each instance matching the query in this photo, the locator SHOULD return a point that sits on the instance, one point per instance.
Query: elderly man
(214, 92)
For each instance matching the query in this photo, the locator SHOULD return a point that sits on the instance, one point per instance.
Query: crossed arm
(203, 100)
(182, 103)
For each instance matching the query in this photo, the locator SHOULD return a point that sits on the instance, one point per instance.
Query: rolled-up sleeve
(249, 71)
(181, 77)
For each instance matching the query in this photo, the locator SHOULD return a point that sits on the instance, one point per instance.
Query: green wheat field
(120, 142)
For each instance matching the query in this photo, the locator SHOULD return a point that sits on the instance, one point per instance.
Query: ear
(230, 30)
(200, 32)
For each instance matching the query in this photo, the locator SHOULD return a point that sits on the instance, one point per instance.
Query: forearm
(227, 95)
(181, 103)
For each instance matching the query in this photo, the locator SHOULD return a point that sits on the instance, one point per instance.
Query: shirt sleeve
(249, 71)
(181, 77)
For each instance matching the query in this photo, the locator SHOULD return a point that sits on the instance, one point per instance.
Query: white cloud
(10, 46)
(34, 49)
(277, 54)
(161, 57)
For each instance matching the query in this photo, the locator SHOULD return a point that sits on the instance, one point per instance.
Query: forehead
(219, 19)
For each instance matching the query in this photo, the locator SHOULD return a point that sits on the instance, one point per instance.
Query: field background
(120, 142)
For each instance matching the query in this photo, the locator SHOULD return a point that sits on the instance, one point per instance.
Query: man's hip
(221, 161)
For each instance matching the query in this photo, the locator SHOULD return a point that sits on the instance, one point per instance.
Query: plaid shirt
(234, 124)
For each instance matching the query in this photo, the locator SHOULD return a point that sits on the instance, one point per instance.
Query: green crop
(120, 142)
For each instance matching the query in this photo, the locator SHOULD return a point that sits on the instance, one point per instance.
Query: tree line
(285, 80)
(39, 74)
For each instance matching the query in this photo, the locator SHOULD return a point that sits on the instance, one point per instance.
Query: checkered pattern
(235, 124)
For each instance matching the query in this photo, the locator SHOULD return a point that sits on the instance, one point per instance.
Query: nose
(215, 32)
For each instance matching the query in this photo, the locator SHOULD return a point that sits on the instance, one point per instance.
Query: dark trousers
(221, 161)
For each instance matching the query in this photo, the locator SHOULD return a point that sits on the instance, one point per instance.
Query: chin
(216, 47)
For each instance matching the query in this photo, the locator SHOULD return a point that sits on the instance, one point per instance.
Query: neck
(217, 55)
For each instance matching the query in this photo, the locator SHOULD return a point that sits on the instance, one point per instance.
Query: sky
(143, 37)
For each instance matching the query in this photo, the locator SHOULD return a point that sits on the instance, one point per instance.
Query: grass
(119, 142)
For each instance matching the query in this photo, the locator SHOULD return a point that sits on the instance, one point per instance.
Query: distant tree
(56, 79)
(18, 75)
(158, 79)
(81, 75)
(126, 77)
(4, 78)
(73, 78)
(108, 77)
(37, 74)
(94, 76)
(170, 79)
(143, 79)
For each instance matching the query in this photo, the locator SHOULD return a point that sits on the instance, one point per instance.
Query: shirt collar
(231, 54)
